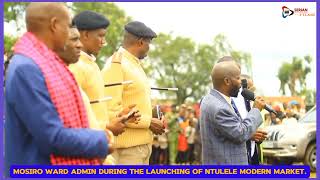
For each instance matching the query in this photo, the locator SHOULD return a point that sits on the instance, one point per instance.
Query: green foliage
(174, 61)
(180, 62)
(14, 10)
(310, 96)
(245, 60)
(293, 74)
(9, 41)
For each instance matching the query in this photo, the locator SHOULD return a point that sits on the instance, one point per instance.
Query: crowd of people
(180, 144)
(287, 113)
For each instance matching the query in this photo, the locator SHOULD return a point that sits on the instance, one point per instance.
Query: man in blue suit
(34, 130)
(223, 132)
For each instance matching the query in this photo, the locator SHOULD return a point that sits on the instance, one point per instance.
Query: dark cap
(89, 20)
(140, 30)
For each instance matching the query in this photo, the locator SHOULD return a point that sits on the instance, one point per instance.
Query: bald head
(226, 77)
(228, 59)
(225, 58)
(50, 22)
(39, 14)
(222, 70)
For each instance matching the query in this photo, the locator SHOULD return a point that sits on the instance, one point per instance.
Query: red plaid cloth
(62, 88)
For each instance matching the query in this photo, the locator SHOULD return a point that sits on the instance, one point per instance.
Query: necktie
(248, 143)
(248, 106)
(235, 108)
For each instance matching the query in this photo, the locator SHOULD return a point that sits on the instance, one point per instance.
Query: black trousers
(190, 152)
(254, 160)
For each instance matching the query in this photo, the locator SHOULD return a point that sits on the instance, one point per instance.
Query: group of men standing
(55, 112)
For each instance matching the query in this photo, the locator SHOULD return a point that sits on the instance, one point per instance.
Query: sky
(256, 28)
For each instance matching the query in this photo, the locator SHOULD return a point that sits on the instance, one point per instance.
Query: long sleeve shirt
(129, 68)
(88, 77)
(33, 128)
(93, 123)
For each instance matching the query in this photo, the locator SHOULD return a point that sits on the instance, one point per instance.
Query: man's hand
(135, 118)
(259, 136)
(156, 126)
(259, 103)
(117, 126)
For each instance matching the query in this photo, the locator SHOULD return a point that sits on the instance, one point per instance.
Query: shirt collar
(91, 57)
(129, 55)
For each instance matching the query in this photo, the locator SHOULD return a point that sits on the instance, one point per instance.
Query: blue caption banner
(203, 171)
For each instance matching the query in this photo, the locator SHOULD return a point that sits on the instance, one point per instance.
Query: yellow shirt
(88, 77)
(129, 68)
(93, 124)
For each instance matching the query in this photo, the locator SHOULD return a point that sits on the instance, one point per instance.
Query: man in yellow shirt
(92, 27)
(71, 55)
(134, 145)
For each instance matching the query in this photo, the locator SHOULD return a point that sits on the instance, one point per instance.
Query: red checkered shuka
(62, 88)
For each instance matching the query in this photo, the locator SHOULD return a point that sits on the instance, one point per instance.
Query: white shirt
(190, 133)
(241, 106)
(163, 141)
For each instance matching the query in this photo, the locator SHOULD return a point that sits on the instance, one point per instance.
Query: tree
(14, 11)
(310, 97)
(117, 18)
(293, 74)
(179, 62)
(244, 60)
(221, 47)
(171, 60)
(9, 41)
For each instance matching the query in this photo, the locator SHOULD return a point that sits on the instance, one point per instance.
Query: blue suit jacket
(223, 133)
(33, 129)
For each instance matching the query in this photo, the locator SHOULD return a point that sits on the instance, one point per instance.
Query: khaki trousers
(137, 155)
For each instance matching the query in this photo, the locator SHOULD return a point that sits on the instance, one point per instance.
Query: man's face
(235, 86)
(235, 83)
(251, 85)
(73, 46)
(182, 111)
(144, 44)
(95, 40)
